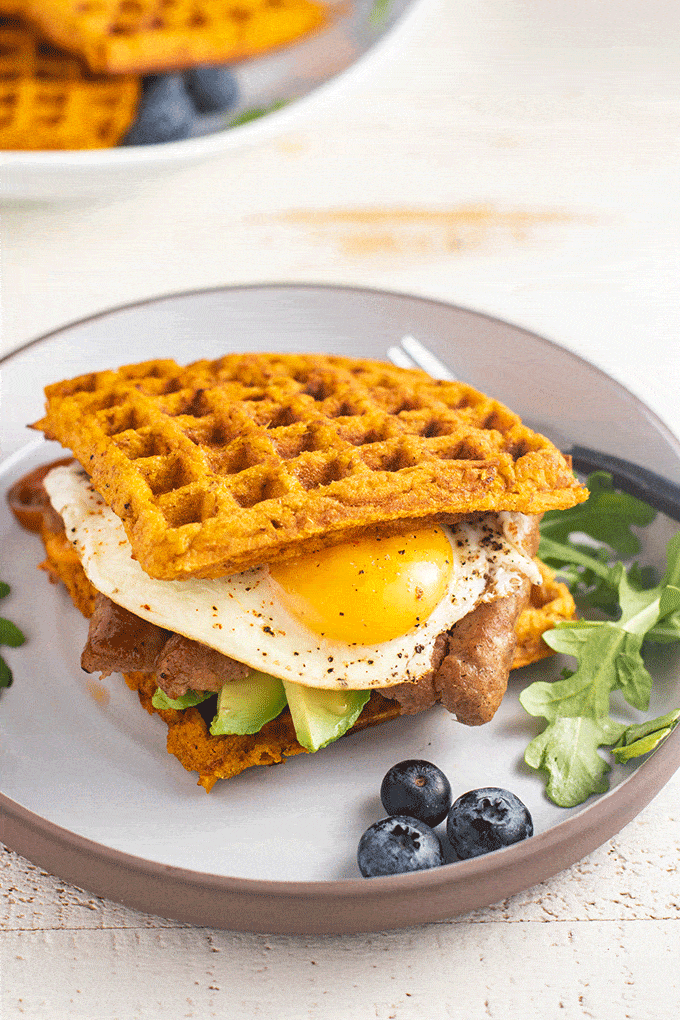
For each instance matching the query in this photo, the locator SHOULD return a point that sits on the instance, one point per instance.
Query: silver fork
(412, 354)
(659, 492)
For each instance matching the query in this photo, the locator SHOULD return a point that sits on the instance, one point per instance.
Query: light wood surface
(517, 158)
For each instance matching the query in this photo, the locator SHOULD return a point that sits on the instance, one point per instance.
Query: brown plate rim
(347, 905)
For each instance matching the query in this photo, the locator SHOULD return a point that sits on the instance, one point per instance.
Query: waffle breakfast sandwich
(274, 549)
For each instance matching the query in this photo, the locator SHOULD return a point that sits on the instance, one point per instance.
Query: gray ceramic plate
(88, 791)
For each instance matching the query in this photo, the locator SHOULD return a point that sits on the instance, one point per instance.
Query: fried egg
(365, 614)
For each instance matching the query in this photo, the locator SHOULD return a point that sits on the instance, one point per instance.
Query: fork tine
(400, 358)
(425, 359)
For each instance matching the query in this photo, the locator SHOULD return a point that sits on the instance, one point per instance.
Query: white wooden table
(517, 158)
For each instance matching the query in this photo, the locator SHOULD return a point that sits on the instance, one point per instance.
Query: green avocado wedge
(321, 716)
(244, 706)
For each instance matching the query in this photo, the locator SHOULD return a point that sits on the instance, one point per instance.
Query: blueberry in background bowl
(166, 112)
(212, 89)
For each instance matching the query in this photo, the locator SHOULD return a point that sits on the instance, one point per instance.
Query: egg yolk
(369, 590)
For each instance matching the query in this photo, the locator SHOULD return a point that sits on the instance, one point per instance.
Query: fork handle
(659, 492)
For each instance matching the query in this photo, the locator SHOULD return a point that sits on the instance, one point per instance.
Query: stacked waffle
(48, 100)
(70, 70)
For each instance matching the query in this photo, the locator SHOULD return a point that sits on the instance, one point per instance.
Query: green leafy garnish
(590, 568)
(644, 737)
(256, 112)
(380, 12)
(5, 674)
(11, 636)
(607, 516)
(161, 700)
(608, 652)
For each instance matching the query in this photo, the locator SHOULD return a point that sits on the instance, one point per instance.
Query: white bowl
(309, 72)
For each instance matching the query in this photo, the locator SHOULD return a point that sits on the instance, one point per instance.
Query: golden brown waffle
(48, 99)
(189, 738)
(214, 758)
(223, 465)
(142, 36)
(549, 603)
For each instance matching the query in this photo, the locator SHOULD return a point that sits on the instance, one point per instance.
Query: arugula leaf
(163, 701)
(11, 636)
(6, 677)
(561, 553)
(586, 691)
(591, 571)
(668, 627)
(257, 111)
(607, 516)
(608, 652)
(380, 12)
(666, 631)
(644, 737)
(567, 750)
(592, 578)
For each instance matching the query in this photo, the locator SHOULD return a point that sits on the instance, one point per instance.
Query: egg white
(242, 617)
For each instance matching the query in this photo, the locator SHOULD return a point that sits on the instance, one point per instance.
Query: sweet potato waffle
(214, 758)
(224, 465)
(549, 603)
(152, 36)
(189, 738)
(49, 100)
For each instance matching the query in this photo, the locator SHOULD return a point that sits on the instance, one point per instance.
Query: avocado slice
(244, 706)
(320, 717)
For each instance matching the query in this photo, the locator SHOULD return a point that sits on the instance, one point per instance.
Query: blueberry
(418, 789)
(398, 844)
(213, 89)
(484, 820)
(165, 113)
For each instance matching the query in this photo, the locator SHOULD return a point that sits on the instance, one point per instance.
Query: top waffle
(227, 464)
(142, 36)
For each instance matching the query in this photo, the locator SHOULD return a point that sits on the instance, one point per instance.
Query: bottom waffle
(48, 100)
(213, 758)
(191, 742)
(549, 603)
